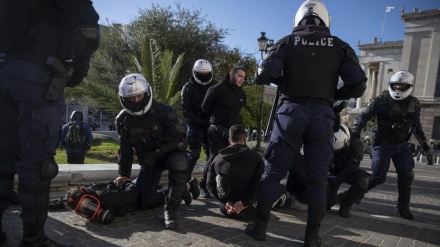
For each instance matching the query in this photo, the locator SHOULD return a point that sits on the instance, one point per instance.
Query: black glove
(333, 182)
(356, 134)
(148, 163)
(181, 146)
(337, 108)
(425, 147)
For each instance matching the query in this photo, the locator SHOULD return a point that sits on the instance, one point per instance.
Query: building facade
(418, 53)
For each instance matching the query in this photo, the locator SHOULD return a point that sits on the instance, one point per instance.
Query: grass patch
(104, 150)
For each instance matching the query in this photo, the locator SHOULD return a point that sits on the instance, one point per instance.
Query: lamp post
(263, 44)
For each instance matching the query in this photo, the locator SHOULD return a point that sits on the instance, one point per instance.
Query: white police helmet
(342, 137)
(403, 77)
(133, 85)
(202, 71)
(312, 12)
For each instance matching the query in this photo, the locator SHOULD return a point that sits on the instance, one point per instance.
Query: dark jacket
(244, 169)
(306, 66)
(87, 131)
(346, 161)
(192, 96)
(155, 134)
(223, 103)
(396, 119)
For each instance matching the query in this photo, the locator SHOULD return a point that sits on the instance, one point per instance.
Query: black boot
(404, 184)
(186, 197)
(347, 199)
(344, 211)
(13, 198)
(257, 230)
(312, 238)
(3, 236)
(204, 192)
(169, 213)
(194, 187)
(33, 235)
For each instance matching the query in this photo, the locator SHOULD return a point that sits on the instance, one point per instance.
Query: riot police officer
(44, 46)
(348, 152)
(193, 93)
(398, 116)
(151, 130)
(306, 66)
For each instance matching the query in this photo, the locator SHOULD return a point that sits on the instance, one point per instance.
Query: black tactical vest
(31, 27)
(395, 124)
(145, 133)
(311, 67)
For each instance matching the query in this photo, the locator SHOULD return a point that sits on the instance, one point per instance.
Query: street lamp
(263, 44)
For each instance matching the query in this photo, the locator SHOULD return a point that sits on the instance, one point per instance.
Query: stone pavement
(374, 222)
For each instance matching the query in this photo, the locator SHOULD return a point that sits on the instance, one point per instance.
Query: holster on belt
(59, 80)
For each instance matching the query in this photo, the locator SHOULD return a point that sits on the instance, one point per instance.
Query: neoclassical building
(418, 53)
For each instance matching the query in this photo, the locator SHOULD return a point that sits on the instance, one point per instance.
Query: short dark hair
(237, 133)
(237, 68)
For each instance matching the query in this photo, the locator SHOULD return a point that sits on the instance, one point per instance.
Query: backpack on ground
(103, 201)
(76, 136)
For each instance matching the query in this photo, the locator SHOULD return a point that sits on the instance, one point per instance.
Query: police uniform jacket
(396, 119)
(307, 64)
(223, 103)
(193, 94)
(243, 169)
(157, 133)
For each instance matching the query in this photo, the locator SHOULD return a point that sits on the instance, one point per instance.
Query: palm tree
(159, 70)
(154, 65)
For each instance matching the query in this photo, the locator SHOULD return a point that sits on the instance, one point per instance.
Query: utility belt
(33, 59)
(307, 101)
(61, 74)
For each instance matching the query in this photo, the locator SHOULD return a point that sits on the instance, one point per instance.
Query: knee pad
(49, 169)
(178, 162)
(362, 183)
(407, 177)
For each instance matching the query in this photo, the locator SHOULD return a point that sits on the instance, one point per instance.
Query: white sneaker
(297, 205)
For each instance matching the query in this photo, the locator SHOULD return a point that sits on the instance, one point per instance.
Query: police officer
(398, 116)
(76, 155)
(348, 152)
(193, 93)
(306, 66)
(223, 103)
(151, 130)
(44, 46)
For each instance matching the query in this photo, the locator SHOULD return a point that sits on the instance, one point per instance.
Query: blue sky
(351, 20)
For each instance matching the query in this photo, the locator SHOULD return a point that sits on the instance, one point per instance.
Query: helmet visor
(203, 76)
(136, 103)
(401, 87)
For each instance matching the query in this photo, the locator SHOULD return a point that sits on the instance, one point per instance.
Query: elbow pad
(348, 92)
(262, 77)
(85, 42)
